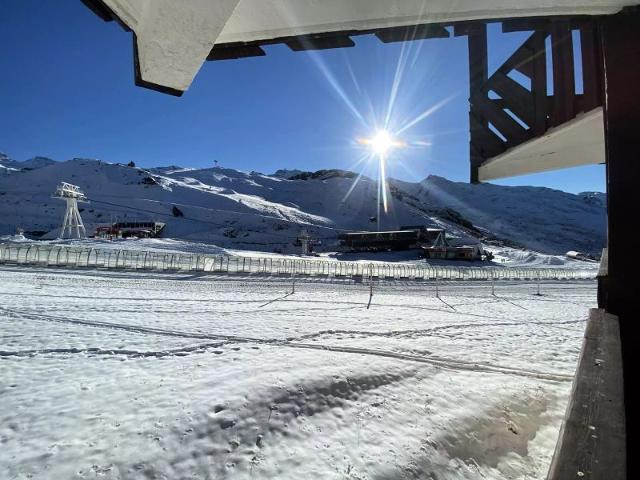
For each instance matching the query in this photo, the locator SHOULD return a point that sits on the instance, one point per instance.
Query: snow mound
(18, 238)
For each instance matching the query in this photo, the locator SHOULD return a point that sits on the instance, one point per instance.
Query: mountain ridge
(265, 212)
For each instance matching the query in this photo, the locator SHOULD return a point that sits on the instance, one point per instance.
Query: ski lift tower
(305, 242)
(72, 220)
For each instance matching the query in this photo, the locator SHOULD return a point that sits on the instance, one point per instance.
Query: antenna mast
(72, 220)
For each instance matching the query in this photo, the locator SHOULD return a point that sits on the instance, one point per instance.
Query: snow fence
(87, 257)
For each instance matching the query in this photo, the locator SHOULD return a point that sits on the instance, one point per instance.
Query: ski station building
(513, 130)
(129, 230)
(405, 238)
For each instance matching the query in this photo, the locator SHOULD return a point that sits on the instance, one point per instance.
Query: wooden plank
(539, 84)
(522, 57)
(527, 24)
(230, 53)
(592, 440)
(312, 42)
(417, 32)
(516, 98)
(478, 74)
(511, 129)
(563, 73)
(591, 66)
(486, 144)
(99, 8)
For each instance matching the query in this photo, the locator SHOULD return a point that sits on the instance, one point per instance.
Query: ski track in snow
(134, 377)
(289, 342)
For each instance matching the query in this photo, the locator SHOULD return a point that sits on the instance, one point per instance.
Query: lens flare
(386, 117)
(380, 146)
(382, 142)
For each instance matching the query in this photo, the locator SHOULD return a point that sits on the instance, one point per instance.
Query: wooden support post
(478, 68)
(621, 52)
(591, 65)
(539, 85)
(564, 88)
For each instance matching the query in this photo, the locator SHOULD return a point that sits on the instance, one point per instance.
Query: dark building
(404, 239)
(130, 229)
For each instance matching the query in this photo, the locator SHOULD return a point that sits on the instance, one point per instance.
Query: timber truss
(505, 112)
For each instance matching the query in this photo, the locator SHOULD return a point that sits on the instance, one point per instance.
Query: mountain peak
(286, 173)
(236, 209)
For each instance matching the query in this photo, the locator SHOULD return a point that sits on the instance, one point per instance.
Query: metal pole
(370, 288)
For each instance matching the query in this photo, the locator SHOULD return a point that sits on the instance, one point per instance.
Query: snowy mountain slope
(594, 198)
(118, 192)
(235, 209)
(284, 173)
(542, 219)
(32, 163)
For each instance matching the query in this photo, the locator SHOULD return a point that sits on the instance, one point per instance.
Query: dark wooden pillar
(478, 74)
(591, 65)
(621, 51)
(563, 75)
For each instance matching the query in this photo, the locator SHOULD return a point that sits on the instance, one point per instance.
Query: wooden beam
(100, 9)
(506, 125)
(516, 98)
(418, 32)
(230, 53)
(529, 24)
(486, 143)
(521, 59)
(539, 84)
(591, 65)
(525, 24)
(592, 438)
(478, 68)
(563, 72)
(621, 51)
(312, 42)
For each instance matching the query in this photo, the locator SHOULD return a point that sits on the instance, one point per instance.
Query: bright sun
(382, 142)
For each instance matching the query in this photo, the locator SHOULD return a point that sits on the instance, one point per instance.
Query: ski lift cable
(128, 207)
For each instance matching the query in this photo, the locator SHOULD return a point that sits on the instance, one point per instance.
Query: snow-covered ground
(138, 375)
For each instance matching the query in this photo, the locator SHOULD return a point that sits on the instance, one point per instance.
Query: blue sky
(66, 90)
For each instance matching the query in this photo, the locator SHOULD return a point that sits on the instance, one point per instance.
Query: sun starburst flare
(382, 142)
(389, 118)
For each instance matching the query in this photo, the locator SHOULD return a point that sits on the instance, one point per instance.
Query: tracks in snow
(176, 352)
(292, 342)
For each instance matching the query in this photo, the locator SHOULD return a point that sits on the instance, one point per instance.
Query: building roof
(173, 39)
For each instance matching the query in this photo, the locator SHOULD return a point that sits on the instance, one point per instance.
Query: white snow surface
(252, 211)
(179, 376)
